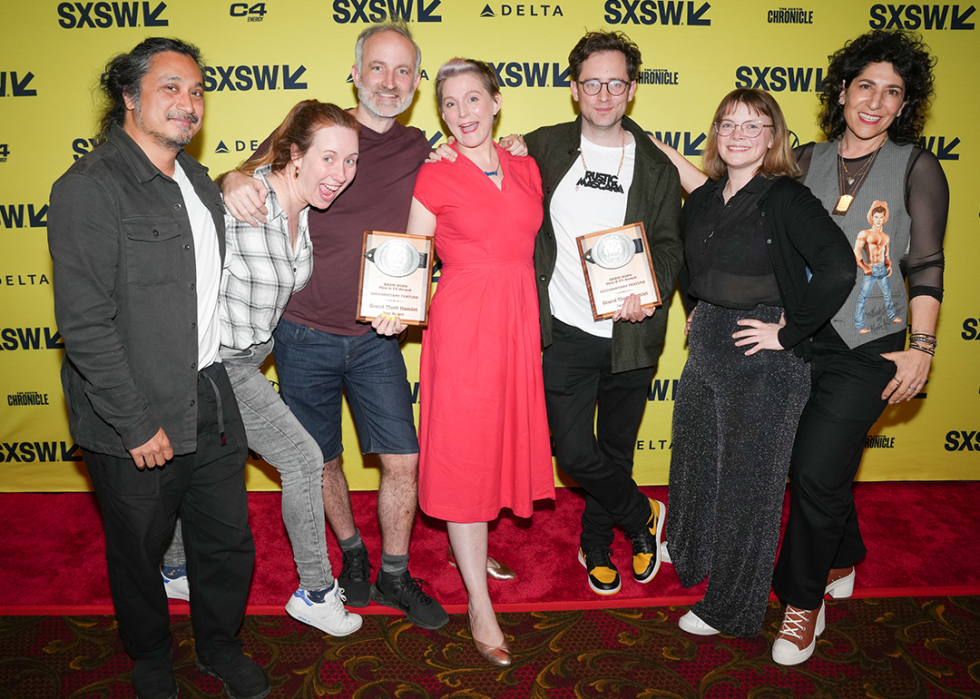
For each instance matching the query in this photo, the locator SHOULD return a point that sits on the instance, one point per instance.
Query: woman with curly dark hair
(891, 199)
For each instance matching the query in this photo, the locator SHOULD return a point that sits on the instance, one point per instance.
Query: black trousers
(139, 508)
(845, 401)
(597, 451)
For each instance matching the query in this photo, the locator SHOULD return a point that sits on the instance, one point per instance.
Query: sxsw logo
(30, 339)
(12, 215)
(4, 152)
(942, 149)
(524, 11)
(970, 329)
(778, 79)
(654, 11)
(962, 440)
(531, 74)
(372, 11)
(244, 78)
(661, 388)
(254, 13)
(82, 146)
(29, 452)
(79, 15)
(684, 142)
(16, 86)
(920, 17)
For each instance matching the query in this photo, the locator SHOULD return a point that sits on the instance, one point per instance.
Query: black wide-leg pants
(594, 415)
(735, 417)
(139, 508)
(845, 401)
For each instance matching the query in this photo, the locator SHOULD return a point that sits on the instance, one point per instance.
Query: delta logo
(245, 78)
(239, 146)
(13, 216)
(684, 142)
(374, 11)
(524, 11)
(29, 452)
(513, 74)
(779, 78)
(962, 440)
(926, 17)
(102, 15)
(12, 339)
(32, 279)
(13, 85)
(665, 12)
(940, 147)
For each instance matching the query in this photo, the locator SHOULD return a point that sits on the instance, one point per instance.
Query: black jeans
(845, 401)
(577, 377)
(207, 488)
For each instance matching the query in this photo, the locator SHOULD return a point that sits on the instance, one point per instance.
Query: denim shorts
(316, 368)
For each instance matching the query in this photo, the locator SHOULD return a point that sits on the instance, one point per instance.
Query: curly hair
(909, 57)
(124, 74)
(600, 42)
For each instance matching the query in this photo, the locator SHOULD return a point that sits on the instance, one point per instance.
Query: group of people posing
(170, 294)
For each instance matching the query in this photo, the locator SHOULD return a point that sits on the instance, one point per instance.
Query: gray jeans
(278, 438)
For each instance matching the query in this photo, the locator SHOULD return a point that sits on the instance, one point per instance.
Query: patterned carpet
(879, 648)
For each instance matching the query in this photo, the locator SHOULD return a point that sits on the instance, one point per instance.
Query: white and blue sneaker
(176, 583)
(324, 610)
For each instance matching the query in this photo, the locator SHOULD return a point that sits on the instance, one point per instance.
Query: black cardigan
(800, 234)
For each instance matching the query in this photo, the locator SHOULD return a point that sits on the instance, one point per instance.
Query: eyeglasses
(594, 87)
(751, 129)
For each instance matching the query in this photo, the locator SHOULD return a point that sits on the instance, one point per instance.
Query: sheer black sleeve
(927, 201)
(803, 154)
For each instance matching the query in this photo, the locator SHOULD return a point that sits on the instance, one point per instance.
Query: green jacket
(654, 198)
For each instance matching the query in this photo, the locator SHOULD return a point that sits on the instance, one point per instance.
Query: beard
(174, 143)
(379, 106)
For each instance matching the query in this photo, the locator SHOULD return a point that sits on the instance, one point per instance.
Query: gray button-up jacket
(125, 297)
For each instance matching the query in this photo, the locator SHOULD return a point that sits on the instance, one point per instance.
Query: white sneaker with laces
(329, 616)
(692, 623)
(177, 588)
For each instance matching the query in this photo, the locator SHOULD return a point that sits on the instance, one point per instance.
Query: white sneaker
(692, 623)
(177, 588)
(329, 615)
(664, 554)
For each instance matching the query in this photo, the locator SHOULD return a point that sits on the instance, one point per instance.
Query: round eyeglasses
(751, 129)
(594, 87)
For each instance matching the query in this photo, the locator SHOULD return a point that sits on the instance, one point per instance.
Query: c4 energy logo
(22, 398)
(29, 452)
(15, 84)
(30, 339)
(688, 145)
(523, 10)
(790, 15)
(244, 78)
(515, 74)
(254, 13)
(779, 78)
(921, 17)
(942, 148)
(962, 440)
(373, 11)
(102, 15)
(4, 152)
(13, 216)
(666, 12)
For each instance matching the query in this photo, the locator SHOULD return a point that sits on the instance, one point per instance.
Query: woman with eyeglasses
(752, 236)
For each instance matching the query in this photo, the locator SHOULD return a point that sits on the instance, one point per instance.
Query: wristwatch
(397, 258)
(613, 250)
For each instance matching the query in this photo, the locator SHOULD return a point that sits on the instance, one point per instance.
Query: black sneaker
(242, 677)
(646, 545)
(154, 679)
(603, 576)
(405, 593)
(355, 578)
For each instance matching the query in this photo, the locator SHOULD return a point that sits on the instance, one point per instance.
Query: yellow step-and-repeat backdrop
(265, 56)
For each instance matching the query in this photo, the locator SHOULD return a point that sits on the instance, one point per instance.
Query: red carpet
(920, 538)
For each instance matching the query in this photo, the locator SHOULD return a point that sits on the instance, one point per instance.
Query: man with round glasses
(600, 172)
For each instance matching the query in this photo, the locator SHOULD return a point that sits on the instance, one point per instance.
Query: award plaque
(617, 263)
(396, 274)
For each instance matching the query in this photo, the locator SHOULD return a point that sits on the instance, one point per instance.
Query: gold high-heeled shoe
(495, 569)
(499, 655)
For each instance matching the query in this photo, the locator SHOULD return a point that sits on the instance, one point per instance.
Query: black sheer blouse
(728, 257)
(927, 201)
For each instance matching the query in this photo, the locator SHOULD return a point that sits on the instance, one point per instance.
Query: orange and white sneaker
(798, 635)
(840, 583)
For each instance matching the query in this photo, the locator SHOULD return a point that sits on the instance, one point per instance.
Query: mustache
(177, 114)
